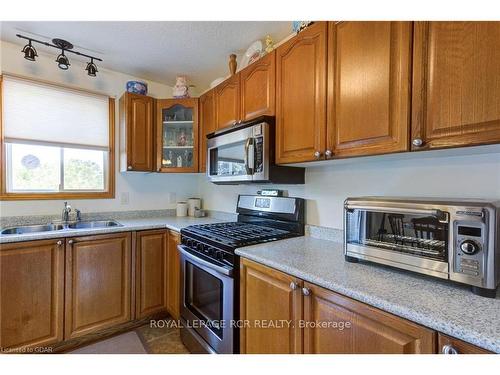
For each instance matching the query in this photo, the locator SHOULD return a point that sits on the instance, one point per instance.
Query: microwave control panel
(470, 244)
(259, 155)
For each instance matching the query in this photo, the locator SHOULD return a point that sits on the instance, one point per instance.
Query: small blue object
(137, 87)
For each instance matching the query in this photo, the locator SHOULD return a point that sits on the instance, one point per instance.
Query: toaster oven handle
(249, 162)
(442, 216)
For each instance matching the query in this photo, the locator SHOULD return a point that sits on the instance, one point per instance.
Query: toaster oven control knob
(469, 247)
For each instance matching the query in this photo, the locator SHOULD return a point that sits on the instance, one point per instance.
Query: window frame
(83, 194)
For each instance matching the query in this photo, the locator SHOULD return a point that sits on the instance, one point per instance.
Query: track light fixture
(29, 52)
(62, 60)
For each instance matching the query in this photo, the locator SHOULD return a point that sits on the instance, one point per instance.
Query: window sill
(56, 196)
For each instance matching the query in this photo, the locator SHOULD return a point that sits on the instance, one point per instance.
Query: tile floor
(142, 340)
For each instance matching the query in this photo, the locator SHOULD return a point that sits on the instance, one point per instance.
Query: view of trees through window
(37, 168)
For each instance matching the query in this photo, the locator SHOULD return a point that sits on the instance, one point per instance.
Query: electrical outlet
(172, 198)
(124, 198)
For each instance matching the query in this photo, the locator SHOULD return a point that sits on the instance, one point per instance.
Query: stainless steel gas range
(210, 267)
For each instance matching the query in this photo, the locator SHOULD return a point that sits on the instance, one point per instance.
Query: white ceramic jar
(182, 208)
(193, 204)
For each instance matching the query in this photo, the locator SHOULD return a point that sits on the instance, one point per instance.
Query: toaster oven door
(406, 238)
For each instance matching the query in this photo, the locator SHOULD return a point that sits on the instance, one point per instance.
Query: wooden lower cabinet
(451, 345)
(174, 272)
(321, 321)
(337, 324)
(98, 283)
(31, 294)
(151, 272)
(269, 297)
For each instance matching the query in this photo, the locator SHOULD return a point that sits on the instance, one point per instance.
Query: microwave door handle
(249, 161)
(442, 216)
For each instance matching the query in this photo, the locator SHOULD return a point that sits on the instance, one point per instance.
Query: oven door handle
(203, 262)
(442, 216)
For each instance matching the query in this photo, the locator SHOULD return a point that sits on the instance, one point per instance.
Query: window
(57, 142)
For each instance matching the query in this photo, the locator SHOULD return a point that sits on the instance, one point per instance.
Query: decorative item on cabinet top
(252, 54)
(232, 64)
(137, 87)
(298, 26)
(181, 88)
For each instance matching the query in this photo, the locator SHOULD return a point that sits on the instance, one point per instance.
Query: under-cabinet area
(250, 187)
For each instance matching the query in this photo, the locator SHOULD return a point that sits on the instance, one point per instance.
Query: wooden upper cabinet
(258, 88)
(207, 125)
(269, 295)
(456, 84)
(31, 294)
(368, 87)
(301, 96)
(451, 345)
(370, 331)
(136, 132)
(151, 272)
(98, 282)
(177, 135)
(227, 102)
(174, 274)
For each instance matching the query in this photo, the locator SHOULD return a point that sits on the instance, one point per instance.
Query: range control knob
(469, 247)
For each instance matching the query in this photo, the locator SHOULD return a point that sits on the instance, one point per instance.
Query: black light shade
(91, 68)
(63, 61)
(29, 52)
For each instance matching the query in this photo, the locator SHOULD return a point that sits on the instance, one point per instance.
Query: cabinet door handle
(449, 349)
(70, 242)
(306, 291)
(317, 154)
(293, 286)
(328, 154)
(129, 168)
(59, 243)
(417, 142)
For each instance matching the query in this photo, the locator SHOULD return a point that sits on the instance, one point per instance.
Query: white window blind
(39, 113)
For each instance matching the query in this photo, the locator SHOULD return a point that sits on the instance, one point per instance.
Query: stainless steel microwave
(457, 240)
(244, 153)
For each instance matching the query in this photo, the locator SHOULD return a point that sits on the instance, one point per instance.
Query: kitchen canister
(182, 208)
(193, 204)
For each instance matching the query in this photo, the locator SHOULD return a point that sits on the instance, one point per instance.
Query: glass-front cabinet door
(177, 135)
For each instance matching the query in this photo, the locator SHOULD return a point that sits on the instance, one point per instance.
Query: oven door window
(204, 297)
(228, 160)
(414, 234)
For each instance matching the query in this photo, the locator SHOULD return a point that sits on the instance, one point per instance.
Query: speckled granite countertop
(444, 306)
(170, 222)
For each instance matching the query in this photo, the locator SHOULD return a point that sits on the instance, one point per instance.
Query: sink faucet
(65, 212)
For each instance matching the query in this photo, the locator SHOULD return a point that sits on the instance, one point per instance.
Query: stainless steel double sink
(23, 229)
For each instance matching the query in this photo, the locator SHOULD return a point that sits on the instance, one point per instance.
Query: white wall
(146, 190)
(450, 173)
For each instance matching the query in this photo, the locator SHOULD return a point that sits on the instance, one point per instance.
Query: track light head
(29, 52)
(63, 61)
(91, 68)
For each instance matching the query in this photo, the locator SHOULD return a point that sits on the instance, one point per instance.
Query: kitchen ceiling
(157, 51)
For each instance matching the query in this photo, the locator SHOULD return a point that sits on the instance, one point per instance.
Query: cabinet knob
(70, 242)
(317, 154)
(59, 243)
(449, 349)
(328, 154)
(417, 142)
(129, 167)
(293, 286)
(306, 291)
